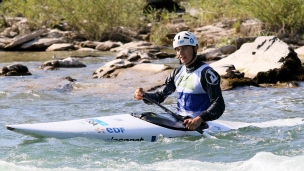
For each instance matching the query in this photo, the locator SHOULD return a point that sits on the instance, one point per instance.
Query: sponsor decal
(211, 77)
(115, 130)
(124, 139)
(191, 41)
(100, 130)
(218, 128)
(181, 41)
(96, 121)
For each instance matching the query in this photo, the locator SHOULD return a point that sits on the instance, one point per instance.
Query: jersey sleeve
(210, 81)
(168, 88)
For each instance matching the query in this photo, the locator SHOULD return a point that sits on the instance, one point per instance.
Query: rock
(107, 45)
(15, 70)
(89, 44)
(120, 34)
(232, 73)
(146, 75)
(251, 27)
(216, 53)
(266, 60)
(261, 55)
(231, 83)
(173, 29)
(212, 34)
(5, 40)
(61, 47)
(133, 57)
(10, 32)
(68, 62)
(23, 27)
(138, 55)
(137, 45)
(55, 33)
(87, 50)
(20, 40)
(240, 41)
(300, 50)
(108, 69)
(144, 61)
(13, 20)
(289, 71)
(162, 55)
(40, 44)
(227, 50)
(210, 54)
(142, 48)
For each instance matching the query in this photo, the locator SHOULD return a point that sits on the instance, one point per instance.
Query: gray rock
(15, 70)
(108, 69)
(20, 40)
(105, 46)
(41, 43)
(68, 62)
(61, 47)
(259, 56)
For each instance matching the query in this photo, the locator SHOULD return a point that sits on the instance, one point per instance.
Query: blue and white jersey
(198, 88)
(192, 98)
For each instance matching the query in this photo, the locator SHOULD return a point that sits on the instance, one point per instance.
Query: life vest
(192, 98)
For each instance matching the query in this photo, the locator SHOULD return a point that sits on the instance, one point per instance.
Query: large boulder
(266, 60)
(40, 44)
(26, 38)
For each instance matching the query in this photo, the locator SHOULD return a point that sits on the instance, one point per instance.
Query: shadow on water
(33, 141)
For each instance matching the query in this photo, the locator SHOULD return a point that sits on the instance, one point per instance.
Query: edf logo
(115, 130)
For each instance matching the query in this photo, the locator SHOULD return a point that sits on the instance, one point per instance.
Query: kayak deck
(146, 126)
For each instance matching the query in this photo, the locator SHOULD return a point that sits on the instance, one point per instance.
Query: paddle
(178, 117)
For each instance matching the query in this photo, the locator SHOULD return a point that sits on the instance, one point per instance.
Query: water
(45, 97)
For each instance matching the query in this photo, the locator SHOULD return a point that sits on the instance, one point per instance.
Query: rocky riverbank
(247, 61)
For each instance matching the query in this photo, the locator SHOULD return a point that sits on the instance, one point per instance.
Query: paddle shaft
(178, 117)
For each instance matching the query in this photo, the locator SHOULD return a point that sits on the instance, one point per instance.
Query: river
(45, 97)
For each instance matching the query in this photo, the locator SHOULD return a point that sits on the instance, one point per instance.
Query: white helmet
(184, 38)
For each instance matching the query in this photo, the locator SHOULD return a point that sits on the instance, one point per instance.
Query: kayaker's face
(185, 54)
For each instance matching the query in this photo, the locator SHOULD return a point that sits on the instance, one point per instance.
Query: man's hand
(138, 94)
(193, 123)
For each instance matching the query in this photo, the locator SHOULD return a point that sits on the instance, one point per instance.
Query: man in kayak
(197, 84)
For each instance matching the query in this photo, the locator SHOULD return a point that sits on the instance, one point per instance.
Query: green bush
(212, 10)
(278, 15)
(90, 18)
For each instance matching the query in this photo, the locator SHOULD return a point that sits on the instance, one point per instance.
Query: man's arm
(210, 81)
(169, 88)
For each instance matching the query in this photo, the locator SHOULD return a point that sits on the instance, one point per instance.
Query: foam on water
(260, 162)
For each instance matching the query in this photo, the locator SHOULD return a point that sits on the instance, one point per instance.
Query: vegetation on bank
(94, 19)
(89, 18)
(284, 16)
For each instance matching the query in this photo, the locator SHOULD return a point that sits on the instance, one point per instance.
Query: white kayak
(146, 126)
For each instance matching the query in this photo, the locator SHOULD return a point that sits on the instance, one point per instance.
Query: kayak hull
(124, 127)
